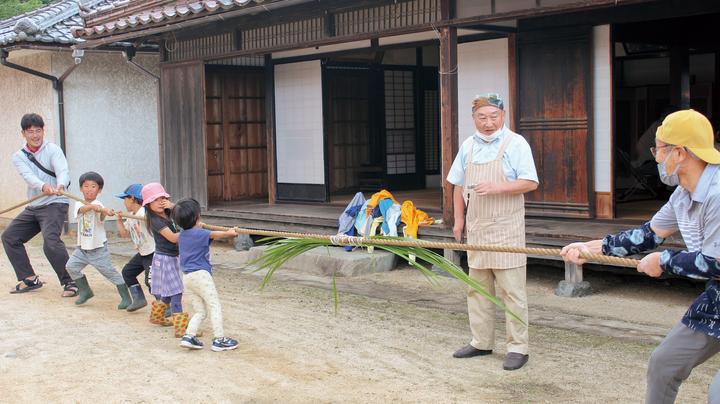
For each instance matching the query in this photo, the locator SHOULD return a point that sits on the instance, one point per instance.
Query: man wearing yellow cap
(492, 170)
(686, 156)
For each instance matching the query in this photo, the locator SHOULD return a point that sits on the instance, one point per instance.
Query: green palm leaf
(281, 250)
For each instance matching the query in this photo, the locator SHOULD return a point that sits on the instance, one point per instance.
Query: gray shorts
(98, 258)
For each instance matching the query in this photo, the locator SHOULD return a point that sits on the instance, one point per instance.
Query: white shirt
(143, 240)
(90, 227)
(518, 163)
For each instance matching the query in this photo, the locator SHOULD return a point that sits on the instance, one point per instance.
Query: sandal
(70, 287)
(29, 285)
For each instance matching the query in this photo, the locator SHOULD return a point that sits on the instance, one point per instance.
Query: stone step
(326, 261)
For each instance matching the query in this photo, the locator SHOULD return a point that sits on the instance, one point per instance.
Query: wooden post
(270, 129)
(573, 273)
(680, 76)
(716, 93)
(573, 285)
(448, 114)
(512, 84)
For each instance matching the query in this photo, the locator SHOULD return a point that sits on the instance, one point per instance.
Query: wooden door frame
(418, 123)
(171, 176)
(226, 70)
(515, 85)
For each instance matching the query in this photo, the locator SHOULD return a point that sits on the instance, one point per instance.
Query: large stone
(327, 261)
(573, 289)
(243, 242)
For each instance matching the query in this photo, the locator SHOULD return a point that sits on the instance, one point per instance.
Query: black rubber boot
(84, 291)
(138, 298)
(124, 295)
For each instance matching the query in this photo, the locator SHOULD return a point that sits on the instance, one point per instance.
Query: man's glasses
(33, 131)
(654, 150)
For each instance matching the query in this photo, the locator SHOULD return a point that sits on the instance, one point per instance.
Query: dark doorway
(382, 123)
(659, 66)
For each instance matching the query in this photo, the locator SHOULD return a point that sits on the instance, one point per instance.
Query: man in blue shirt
(687, 158)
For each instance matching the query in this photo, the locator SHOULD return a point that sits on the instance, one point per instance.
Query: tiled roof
(52, 24)
(125, 15)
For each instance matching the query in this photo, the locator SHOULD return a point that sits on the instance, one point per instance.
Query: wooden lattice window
(197, 48)
(432, 135)
(400, 122)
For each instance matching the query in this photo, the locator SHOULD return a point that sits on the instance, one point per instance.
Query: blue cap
(133, 190)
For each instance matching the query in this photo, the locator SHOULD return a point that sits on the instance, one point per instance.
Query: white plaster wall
(21, 93)
(602, 107)
(299, 123)
(482, 68)
(111, 118)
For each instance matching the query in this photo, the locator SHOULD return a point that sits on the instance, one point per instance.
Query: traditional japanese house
(307, 100)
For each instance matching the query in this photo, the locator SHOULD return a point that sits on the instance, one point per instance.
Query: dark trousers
(135, 267)
(48, 220)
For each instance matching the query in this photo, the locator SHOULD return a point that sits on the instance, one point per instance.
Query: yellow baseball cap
(690, 129)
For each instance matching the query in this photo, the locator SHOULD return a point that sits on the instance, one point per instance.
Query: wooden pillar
(448, 114)
(270, 128)
(716, 94)
(680, 76)
(512, 83)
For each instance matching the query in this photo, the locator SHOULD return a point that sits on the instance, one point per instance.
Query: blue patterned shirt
(696, 217)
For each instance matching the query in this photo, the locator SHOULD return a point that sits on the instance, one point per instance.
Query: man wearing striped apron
(491, 172)
(687, 158)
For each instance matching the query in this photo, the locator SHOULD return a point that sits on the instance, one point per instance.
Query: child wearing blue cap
(143, 241)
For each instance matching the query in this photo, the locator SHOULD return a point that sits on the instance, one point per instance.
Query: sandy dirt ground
(391, 341)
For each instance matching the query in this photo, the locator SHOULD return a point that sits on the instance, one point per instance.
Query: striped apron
(493, 219)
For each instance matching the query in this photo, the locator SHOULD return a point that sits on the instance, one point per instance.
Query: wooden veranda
(323, 219)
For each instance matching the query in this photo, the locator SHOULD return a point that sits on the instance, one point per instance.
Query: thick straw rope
(343, 240)
(34, 198)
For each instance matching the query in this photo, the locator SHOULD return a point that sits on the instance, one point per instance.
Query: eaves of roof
(52, 24)
(130, 15)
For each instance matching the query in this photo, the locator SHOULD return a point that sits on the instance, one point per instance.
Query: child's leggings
(204, 298)
(175, 303)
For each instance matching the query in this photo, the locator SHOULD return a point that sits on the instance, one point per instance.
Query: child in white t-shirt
(142, 240)
(92, 242)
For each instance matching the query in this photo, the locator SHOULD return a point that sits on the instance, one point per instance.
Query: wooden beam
(329, 24)
(512, 83)
(448, 114)
(492, 28)
(447, 9)
(270, 128)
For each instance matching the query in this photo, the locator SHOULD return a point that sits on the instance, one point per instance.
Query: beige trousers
(204, 298)
(481, 312)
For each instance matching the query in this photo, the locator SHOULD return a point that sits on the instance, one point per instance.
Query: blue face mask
(671, 180)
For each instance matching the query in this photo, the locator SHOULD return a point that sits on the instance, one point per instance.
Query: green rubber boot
(125, 295)
(84, 291)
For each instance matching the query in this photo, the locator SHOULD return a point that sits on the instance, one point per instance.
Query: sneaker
(190, 341)
(223, 344)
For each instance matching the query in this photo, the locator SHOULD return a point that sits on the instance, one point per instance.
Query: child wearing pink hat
(165, 273)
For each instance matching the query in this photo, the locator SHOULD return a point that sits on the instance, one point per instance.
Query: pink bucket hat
(152, 191)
